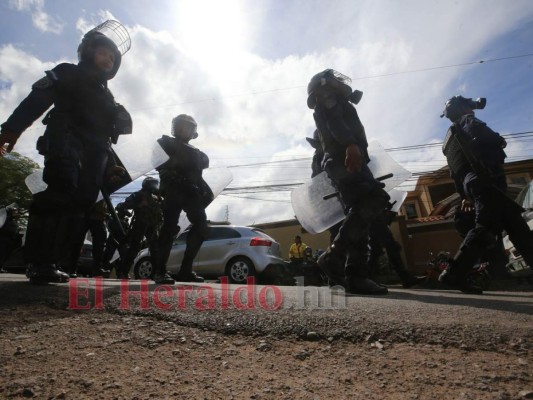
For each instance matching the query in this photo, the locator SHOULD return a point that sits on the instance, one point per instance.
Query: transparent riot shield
(137, 159)
(381, 164)
(218, 178)
(397, 197)
(317, 210)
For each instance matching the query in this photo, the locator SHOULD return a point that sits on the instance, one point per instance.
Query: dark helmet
(110, 34)
(184, 120)
(331, 79)
(458, 105)
(150, 184)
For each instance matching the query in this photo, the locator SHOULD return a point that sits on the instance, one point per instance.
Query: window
(440, 192)
(518, 180)
(410, 210)
(220, 233)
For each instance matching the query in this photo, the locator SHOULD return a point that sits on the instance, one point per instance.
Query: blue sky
(241, 69)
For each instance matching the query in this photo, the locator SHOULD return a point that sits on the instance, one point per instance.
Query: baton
(335, 194)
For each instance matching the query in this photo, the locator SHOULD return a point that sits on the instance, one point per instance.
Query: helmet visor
(116, 32)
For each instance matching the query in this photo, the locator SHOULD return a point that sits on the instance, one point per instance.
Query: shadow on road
(489, 301)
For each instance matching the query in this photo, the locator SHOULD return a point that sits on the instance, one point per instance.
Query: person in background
(296, 251)
(183, 189)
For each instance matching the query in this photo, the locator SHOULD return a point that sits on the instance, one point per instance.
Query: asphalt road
(494, 320)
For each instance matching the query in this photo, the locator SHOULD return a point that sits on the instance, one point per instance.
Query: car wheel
(239, 268)
(144, 269)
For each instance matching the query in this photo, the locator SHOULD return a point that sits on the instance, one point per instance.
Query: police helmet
(458, 105)
(329, 78)
(150, 184)
(110, 34)
(184, 121)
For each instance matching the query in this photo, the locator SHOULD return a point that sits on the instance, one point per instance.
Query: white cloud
(41, 20)
(253, 109)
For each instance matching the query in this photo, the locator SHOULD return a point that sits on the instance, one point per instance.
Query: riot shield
(218, 178)
(382, 164)
(135, 158)
(317, 210)
(397, 198)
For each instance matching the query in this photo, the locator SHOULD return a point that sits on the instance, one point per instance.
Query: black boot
(365, 286)
(100, 271)
(164, 279)
(409, 280)
(333, 266)
(188, 277)
(458, 281)
(122, 275)
(43, 274)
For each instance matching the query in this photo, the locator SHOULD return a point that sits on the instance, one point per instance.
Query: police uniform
(183, 189)
(475, 157)
(76, 147)
(147, 219)
(381, 237)
(117, 238)
(339, 126)
(94, 222)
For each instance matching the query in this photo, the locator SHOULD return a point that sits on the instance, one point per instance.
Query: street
(412, 343)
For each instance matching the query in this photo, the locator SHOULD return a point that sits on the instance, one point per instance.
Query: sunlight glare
(211, 30)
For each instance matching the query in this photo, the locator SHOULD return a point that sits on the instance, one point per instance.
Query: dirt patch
(51, 353)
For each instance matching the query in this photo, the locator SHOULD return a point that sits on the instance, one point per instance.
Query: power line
(258, 92)
(402, 148)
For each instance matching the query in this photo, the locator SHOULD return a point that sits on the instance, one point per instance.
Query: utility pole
(226, 217)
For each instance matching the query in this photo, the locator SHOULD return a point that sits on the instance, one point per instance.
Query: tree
(14, 168)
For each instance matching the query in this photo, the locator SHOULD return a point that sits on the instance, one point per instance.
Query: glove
(115, 174)
(8, 138)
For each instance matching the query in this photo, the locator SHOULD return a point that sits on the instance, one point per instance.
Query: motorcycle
(309, 269)
(479, 274)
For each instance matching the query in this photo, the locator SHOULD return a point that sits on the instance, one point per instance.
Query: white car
(517, 267)
(234, 251)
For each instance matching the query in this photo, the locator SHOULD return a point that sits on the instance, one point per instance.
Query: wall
(284, 235)
(429, 237)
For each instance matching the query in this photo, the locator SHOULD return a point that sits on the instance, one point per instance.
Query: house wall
(284, 235)
(429, 237)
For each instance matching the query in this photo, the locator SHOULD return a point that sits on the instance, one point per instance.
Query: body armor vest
(454, 152)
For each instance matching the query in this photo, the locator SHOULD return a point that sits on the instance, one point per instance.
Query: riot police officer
(117, 239)
(10, 236)
(475, 156)
(344, 145)
(381, 237)
(93, 222)
(76, 143)
(183, 189)
(147, 220)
